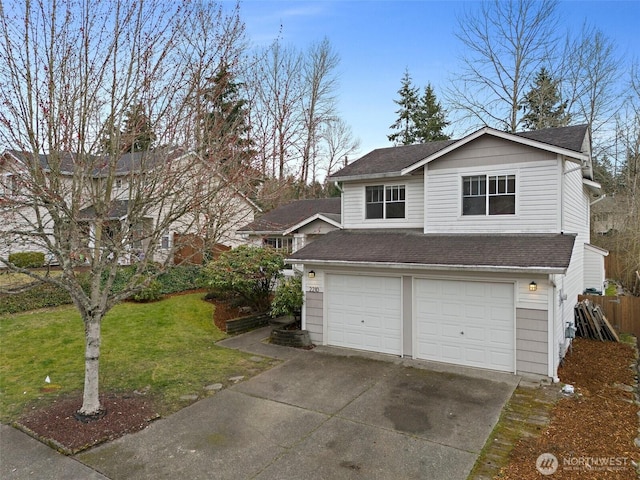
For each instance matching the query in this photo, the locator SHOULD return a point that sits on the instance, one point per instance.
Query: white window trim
(487, 175)
(384, 202)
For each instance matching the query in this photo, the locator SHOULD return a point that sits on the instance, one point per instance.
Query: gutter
(370, 176)
(425, 266)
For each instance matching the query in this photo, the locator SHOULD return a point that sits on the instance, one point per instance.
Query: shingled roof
(544, 253)
(127, 163)
(286, 216)
(571, 138)
(391, 161)
(117, 209)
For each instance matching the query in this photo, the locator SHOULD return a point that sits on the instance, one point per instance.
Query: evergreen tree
(138, 133)
(420, 118)
(404, 126)
(110, 137)
(542, 104)
(429, 118)
(225, 124)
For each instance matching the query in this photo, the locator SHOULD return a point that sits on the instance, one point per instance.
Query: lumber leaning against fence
(591, 322)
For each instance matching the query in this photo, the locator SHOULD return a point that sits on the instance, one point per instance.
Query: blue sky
(377, 40)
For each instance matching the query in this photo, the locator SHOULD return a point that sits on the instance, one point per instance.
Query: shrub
(40, 296)
(288, 298)
(151, 293)
(27, 259)
(180, 278)
(247, 273)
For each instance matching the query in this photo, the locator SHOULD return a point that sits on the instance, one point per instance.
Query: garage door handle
(361, 321)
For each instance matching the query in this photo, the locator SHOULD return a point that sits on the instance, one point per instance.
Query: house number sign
(314, 289)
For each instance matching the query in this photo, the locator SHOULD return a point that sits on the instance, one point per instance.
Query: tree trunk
(91, 398)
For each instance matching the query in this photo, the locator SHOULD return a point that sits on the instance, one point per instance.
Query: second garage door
(466, 323)
(364, 312)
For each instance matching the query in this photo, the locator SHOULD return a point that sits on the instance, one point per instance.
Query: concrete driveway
(320, 415)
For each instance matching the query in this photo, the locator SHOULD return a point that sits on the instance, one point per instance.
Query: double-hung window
(385, 201)
(489, 195)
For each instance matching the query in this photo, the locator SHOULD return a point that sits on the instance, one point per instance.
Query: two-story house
(150, 208)
(469, 251)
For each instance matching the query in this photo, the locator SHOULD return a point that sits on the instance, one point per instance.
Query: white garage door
(466, 323)
(364, 312)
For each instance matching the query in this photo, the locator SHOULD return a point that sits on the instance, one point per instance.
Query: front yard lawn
(164, 350)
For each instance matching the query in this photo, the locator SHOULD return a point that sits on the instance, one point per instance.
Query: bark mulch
(592, 433)
(57, 426)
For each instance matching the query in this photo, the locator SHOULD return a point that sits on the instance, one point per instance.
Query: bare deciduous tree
(274, 106)
(318, 101)
(69, 73)
(506, 43)
(589, 72)
(340, 143)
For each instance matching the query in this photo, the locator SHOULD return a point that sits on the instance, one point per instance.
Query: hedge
(175, 279)
(41, 296)
(27, 259)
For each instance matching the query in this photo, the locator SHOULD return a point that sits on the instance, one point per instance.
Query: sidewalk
(23, 457)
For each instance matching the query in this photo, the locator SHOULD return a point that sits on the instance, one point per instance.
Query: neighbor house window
(385, 201)
(9, 185)
(489, 195)
(164, 241)
(279, 243)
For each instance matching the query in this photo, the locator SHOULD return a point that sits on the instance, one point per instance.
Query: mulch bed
(56, 424)
(592, 432)
(225, 311)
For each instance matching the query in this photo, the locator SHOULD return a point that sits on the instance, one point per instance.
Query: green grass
(167, 345)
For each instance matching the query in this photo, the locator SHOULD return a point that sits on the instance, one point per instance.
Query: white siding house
(480, 266)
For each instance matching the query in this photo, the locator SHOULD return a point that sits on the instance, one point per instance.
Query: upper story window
(385, 201)
(279, 243)
(489, 195)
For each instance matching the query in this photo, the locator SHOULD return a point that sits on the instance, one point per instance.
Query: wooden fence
(623, 312)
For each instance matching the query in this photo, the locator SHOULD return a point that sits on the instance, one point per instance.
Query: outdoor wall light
(533, 286)
(311, 274)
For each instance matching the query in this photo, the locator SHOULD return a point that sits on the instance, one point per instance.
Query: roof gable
(286, 218)
(403, 160)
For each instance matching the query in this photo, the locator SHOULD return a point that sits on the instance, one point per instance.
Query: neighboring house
(294, 225)
(610, 214)
(220, 220)
(469, 251)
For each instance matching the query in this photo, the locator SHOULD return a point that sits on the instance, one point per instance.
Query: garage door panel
(465, 322)
(476, 333)
(364, 312)
(475, 356)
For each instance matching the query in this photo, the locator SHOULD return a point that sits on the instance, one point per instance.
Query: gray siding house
(469, 252)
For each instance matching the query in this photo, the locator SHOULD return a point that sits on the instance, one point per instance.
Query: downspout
(551, 324)
(339, 187)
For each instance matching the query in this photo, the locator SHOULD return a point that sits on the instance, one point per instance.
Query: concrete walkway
(324, 413)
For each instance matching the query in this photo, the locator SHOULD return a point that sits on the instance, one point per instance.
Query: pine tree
(542, 104)
(420, 118)
(225, 124)
(138, 133)
(404, 126)
(429, 118)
